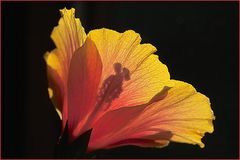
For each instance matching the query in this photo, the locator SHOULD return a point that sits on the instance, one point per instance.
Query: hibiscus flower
(111, 83)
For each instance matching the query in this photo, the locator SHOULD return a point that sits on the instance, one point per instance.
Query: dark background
(197, 40)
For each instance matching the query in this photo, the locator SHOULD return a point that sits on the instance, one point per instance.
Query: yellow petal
(148, 75)
(53, 60)
(69, 35)
(184, 112)
(55, 80)
(147, 141)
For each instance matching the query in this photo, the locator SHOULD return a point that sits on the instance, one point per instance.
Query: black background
(197, 40)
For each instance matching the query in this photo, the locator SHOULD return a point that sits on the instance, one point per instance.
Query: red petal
(83, 81)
